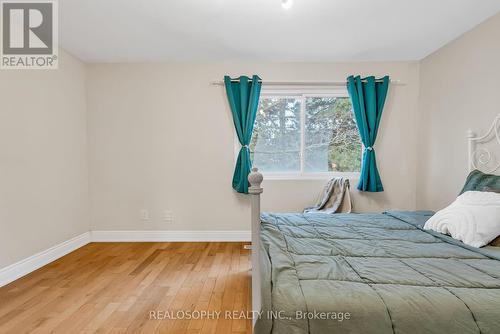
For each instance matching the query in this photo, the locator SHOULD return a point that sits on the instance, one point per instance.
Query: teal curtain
(368, 98)
(243, 96)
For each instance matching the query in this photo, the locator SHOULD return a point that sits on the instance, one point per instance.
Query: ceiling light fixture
(286, 4)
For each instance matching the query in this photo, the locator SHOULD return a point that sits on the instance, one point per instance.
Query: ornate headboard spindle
(482, 157)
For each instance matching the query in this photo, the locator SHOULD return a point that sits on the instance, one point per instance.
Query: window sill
(310, 176)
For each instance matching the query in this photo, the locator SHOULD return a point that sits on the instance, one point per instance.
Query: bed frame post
(471, 147)
(255, 179)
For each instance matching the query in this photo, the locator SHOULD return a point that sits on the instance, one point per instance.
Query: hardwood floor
(134, 288)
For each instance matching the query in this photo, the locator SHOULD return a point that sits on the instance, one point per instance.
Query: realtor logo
(29, 34)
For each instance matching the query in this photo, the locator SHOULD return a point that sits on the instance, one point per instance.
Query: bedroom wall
(161, 138)
(43, 158)
(458, 91)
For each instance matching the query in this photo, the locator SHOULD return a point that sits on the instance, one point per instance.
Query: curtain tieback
(242, 146)
(369, 148)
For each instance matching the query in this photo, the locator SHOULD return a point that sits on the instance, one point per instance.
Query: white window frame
(303, 93)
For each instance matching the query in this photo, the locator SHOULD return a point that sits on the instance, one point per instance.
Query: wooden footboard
(255, 179)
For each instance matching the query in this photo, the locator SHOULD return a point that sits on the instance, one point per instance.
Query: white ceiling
(252, 30)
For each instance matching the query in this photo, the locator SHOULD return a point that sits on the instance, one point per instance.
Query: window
(299, 134)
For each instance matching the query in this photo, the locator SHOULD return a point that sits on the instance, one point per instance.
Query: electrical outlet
(145, 214)
(168, 216)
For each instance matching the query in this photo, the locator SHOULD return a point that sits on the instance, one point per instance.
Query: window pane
(275, 144)
(332, 140)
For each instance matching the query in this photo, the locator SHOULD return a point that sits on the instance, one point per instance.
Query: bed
(371, 273)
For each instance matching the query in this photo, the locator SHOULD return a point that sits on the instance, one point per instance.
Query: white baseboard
(32, 263)
(166, 236)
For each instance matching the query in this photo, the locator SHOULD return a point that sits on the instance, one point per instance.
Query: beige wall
(459, 91)
(162, 138)
(43, 158)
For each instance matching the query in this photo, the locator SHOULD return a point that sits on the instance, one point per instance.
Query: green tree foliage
(332, 140)
(276, 138)
(331, 137)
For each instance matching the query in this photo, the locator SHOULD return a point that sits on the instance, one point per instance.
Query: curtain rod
(304, 83)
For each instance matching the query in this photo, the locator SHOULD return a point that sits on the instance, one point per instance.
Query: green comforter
(373, 273)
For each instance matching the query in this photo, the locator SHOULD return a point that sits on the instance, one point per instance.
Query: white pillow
(474, 218)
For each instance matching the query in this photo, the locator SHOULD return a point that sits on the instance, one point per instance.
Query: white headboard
(484, 150)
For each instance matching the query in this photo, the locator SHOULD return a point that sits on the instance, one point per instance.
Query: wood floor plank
(126, 287)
